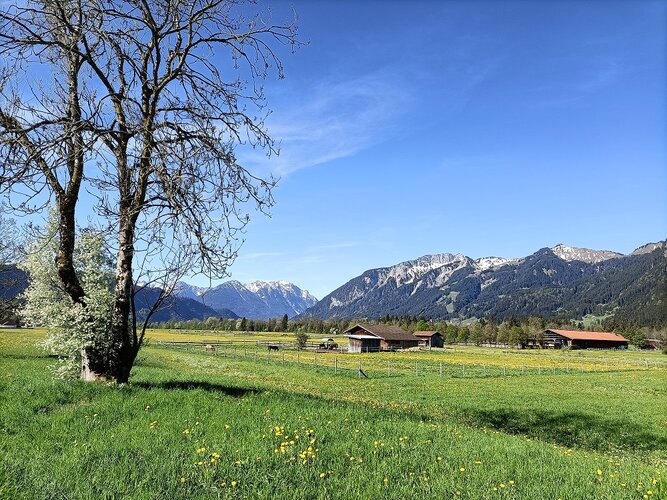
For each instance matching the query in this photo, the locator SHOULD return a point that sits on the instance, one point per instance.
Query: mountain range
(561, 281)
(232, 299)
(257, 300)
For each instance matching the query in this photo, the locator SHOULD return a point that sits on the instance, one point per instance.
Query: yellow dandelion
(599, 472)
(234, 483)
(462, 469)
(439, 458)
(323, 474)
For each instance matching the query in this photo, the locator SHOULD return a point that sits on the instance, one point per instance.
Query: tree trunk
(125, 348)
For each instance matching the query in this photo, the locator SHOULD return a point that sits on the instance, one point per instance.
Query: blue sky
(486, 128)
(483, 128)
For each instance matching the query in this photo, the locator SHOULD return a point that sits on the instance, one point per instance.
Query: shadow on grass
(37, 355)
(189, 385)
(571, 429)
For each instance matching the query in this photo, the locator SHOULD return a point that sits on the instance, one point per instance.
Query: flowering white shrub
(71, 327)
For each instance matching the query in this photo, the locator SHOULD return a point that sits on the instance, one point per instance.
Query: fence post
(298, 358)
(416, 368)
(464, 370)
(554, 368)
(359, 372)
(336, 365)
(283, 357)
(504, 371)
(441, 368)
(522, 371)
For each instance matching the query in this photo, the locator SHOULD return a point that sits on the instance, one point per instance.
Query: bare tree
(142, 103)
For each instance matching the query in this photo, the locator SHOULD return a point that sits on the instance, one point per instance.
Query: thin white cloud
(331, 120)
(258, 255)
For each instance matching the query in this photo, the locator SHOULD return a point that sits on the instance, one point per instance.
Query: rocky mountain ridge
(560, 281)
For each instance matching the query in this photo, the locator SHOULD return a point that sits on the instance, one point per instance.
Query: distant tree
(421, 326)
(284, 323)
(503, 335)
(517, 336)
(301, 339)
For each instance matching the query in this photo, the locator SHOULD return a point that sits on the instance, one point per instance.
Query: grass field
(193, 424)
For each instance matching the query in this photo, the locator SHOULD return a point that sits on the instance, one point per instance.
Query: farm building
(374, 338)
(583, 340)
(430, 339)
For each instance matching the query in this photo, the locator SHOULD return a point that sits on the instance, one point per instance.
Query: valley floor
(194, 424)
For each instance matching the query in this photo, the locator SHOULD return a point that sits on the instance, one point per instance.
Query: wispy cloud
(331, 120)
(258, 255)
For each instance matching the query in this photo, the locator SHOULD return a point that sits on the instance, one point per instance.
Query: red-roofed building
(571, 339)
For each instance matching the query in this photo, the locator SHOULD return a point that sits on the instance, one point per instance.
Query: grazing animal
(210, 347)
(272, 347)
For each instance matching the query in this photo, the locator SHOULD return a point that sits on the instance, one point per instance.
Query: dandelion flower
(462, 469)
(234, 483)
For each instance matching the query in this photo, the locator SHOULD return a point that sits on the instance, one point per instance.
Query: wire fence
(338, 361)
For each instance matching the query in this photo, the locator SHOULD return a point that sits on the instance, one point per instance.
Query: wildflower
(599, 472)
(439, 459)
(227, 426)
(201, 450)
(462, 469)
(186, 432)
(182, 479)
(234, 483)
(323, 475)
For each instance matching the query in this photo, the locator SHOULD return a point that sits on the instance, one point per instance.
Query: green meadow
(195, 424)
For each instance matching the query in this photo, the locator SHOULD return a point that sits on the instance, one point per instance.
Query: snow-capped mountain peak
(259, 299)
(583, 254)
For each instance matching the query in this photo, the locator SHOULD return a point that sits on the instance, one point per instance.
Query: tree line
(485, 331)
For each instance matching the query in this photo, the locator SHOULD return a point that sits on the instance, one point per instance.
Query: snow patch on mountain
(489, 263)
(410, 271)
(587, 255)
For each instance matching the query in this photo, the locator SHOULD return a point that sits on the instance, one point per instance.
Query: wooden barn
(430, 339)
(374, 338)
(569, 339)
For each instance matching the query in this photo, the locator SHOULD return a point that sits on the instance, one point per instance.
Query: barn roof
(575, 335)
(425, 333)
(386, 332)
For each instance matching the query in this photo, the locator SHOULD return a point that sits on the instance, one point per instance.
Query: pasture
(235, 424)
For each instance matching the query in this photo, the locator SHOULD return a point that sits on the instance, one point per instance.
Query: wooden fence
(352, 364)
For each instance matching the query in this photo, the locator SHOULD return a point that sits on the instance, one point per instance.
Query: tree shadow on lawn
(572, 429)
(190, 385)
